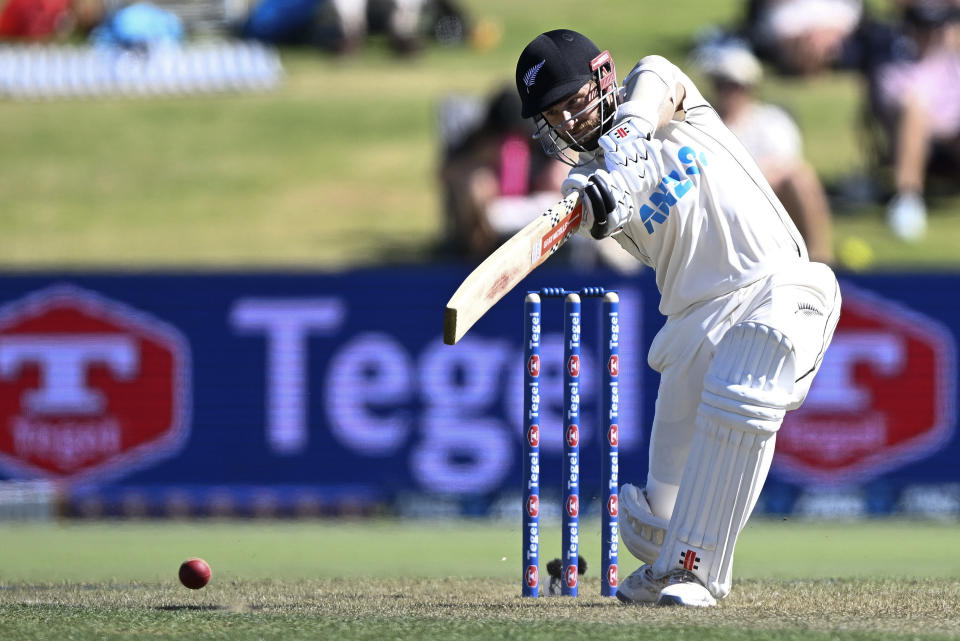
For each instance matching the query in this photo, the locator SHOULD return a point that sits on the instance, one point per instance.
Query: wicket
(571, 444)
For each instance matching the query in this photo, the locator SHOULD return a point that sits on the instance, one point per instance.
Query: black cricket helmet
(554, 67)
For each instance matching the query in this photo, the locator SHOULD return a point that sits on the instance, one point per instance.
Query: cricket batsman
(748, 316)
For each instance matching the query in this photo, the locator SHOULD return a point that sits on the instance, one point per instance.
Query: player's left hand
(607, 203)
(627, 151)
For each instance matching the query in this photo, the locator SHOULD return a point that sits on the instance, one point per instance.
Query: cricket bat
(509, 264)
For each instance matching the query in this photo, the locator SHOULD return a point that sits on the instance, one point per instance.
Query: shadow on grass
(198, 608)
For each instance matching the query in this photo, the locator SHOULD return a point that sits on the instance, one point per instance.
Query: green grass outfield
(337, 168)
(384, 579)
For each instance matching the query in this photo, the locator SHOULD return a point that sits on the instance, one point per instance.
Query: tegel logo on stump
(884, 396)
(88, 386)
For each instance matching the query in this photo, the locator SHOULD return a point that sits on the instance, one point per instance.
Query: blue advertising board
(212, 392)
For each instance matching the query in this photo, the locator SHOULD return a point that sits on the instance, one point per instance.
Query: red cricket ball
(194, 573)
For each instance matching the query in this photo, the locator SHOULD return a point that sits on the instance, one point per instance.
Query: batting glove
(628, 152)
(607, 203)
(576, 180)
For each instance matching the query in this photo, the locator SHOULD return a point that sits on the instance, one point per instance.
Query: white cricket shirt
(713, 225)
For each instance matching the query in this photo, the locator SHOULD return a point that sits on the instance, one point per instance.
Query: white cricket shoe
(678, 587)
(690, 594)
(640, 586)
(907, 216)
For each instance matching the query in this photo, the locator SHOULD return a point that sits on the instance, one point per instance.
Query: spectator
(334, 24)
(87, 15)
(343, 25)
(139, 25)
(773, 139)
(33, 19)
(802, 36)
(911, 70)
(918, 105)
(496, 179)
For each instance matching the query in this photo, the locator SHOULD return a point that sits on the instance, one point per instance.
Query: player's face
(577, 117)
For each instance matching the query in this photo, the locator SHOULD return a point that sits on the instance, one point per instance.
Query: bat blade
(508, 265)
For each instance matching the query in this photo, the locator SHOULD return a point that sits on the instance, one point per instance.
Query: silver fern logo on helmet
(531, 76)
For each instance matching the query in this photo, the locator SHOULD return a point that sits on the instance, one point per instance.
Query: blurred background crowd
(333, 25)
(909, 123)
(492, 178)
(161, 154)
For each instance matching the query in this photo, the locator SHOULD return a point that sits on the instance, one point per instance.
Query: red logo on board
(88, 385)
(613, 365)
(573, 505)
(572, 576)
(884, 396)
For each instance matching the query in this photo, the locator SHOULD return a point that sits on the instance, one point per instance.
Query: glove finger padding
(623, 154)
(629, 149)
(610, 203)
(600, 195)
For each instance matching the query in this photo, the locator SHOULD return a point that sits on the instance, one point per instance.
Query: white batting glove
(607, 203)
(627, 151)
(575, 181)
(624, 113)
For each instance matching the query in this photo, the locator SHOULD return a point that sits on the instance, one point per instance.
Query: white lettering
(287, 323)
(64, 361)
(68, 444)
(461, 455)
(368, 378)
(837, 440)
(442, 406)
(835, 387)
(462, 450)
(465, 380)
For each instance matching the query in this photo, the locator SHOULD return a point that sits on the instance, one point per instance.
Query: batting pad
(746, 392)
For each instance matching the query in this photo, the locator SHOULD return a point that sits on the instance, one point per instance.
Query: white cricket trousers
(803, 302)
